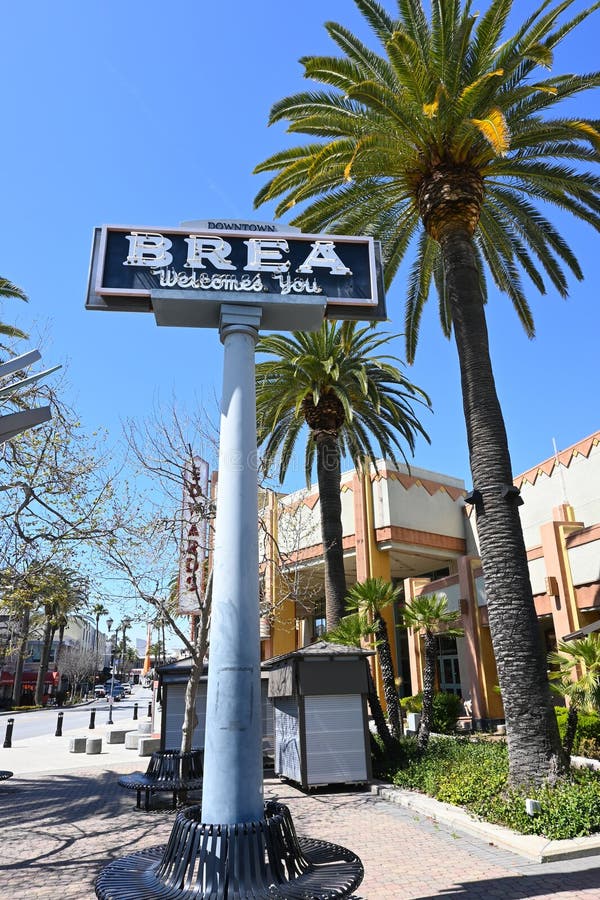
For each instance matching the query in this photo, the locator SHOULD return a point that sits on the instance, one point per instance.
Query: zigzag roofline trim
(565, 458)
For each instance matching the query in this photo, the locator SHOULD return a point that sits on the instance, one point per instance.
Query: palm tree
(10, 290)
(24, 619)
(579, 658)
(442, 147)
(18, 601)
(349, 397)
(98, 610)
(429, 614)
(370, 597)
(55, 590)
(350, 631)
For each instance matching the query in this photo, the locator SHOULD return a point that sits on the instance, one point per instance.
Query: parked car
(127, 687)
(99, 691)
(114, 690)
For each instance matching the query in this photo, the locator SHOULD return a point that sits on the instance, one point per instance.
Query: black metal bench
(168, 770)
(4, 774)
(258, 860)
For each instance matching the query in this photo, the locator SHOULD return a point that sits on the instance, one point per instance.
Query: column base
(262, 859)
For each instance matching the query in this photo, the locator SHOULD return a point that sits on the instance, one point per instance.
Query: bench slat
(168, 770)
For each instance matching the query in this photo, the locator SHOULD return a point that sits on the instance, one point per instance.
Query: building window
(320, 621)
(448, 668)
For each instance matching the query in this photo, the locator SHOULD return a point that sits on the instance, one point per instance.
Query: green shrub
(386, 763)
(589, 747)
(412, 704)
(446, 710)
(473, 773)
(587, 736)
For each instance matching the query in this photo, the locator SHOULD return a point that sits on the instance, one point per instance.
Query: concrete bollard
(59, 724)
(131, 740)
(77, 745)
(148, 745)
(93, 745)
(9, 731)
(115, 735)
(92, 724)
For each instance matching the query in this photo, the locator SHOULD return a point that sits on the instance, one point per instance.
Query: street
(39, 722)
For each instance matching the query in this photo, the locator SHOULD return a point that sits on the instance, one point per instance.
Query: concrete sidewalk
(64, 817)
(51, 754)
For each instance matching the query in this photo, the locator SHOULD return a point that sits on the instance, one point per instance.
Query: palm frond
(446, 92)
(381, 23)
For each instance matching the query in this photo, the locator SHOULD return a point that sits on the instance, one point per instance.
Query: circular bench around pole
(255, 860)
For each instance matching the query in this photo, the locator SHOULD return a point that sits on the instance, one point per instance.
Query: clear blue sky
(152, 114)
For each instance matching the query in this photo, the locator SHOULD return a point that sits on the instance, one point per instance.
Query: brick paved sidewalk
(60, 829)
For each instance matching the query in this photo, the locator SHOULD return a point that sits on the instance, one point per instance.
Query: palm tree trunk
(426, 723)
(61, 641)
(44, 660)
(20, 661)
(329, 476)
(533, 739)
(387, 676)
(377, 712)
(571, 730)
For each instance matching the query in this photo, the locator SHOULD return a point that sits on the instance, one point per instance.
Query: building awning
(29, 678)
(583, 632)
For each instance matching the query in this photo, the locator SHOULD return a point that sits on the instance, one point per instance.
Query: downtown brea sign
(183, 274)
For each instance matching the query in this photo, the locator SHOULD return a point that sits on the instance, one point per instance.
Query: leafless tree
(78, 665)
(145, 552)
(285, 529)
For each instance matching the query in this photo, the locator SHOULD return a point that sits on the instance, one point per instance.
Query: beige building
(415, 529)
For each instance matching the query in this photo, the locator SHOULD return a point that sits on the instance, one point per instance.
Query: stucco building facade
(414, 528)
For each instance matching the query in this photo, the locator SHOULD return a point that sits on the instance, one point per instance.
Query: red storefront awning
(30, 678)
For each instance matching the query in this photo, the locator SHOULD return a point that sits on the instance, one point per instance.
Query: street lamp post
(114, 643)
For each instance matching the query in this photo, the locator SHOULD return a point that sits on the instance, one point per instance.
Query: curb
(533, 847)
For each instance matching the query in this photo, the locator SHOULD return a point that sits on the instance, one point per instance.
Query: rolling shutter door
(174, 717)
(335, 739)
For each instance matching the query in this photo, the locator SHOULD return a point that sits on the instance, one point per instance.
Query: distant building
(79, 634)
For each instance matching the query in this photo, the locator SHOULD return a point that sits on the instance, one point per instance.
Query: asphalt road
(39, 722)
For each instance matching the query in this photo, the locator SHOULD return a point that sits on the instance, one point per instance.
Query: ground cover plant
(473, 773)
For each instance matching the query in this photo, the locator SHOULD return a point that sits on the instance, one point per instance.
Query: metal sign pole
(232, 790)
(235, 843)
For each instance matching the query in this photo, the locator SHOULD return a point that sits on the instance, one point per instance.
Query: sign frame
(198, 307)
